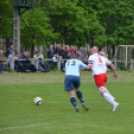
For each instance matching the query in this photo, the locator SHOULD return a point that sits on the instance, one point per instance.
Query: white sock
(103, 88)
(109, 98)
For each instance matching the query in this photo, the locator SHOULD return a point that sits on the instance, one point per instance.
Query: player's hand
(115, 75)
(82, 68)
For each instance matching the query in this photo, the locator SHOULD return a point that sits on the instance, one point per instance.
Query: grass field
(56, 115)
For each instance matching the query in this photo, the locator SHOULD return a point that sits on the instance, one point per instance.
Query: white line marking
(27, 126)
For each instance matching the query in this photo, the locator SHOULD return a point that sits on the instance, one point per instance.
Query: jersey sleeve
(90, 60)
(83, 65)
(108, 62)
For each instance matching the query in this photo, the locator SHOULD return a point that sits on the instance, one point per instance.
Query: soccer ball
(38, 100)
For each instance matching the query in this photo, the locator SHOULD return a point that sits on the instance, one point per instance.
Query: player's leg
(79, 93)
(69, 86)
(109, 99)
(73, 100)
(80, 97)
(100, 82)
(106, 91)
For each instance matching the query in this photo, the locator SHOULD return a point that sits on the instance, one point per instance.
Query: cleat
(85, 107)
(115, 107)
(78, 110)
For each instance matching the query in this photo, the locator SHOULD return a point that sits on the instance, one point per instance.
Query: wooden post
(59, 63)
(131, 65)
(12, 63)
(126, 58)
(115, 63)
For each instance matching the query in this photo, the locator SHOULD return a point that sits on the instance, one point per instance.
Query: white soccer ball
(38, 100)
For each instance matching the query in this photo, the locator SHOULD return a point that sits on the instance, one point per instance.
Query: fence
(35, 61)
(131, 62)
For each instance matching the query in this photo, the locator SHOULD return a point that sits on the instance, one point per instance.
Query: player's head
(75, 56)
(94, 49)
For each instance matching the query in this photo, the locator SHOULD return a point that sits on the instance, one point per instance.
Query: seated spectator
(9, 63)
(20, 63)
(54, 60)
(43, 64)
(38, 67)
(27, 64)
(4, 66)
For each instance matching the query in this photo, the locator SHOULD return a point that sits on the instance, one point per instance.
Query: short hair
(75, 56)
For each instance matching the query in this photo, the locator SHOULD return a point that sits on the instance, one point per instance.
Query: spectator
(66, 52)
(27, 63)
(66, 55)
(39, 67)
(20, 64)
(81, 51)
(43, 64)
(103, 53)
(9, 51)
(58, 50)
(50, 54)
(9, 61)
(1, 56)
(4, 66)
(72, 50)
(84, 59)
(76, 51)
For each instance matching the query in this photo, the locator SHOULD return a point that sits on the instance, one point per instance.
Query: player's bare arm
(114, 72)
(89, 67)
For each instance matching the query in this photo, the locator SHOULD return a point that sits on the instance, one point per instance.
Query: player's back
(72, 67)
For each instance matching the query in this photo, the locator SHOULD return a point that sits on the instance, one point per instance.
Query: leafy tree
(6, 20)
(36, 28)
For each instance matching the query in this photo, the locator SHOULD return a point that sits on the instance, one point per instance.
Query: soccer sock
(103, 88)
(109, 98)
(73, 101)
(108, 92)
(79, 95)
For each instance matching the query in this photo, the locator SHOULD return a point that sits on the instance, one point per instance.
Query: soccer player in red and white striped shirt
(98, 65)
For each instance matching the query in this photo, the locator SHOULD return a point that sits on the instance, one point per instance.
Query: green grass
(56, 115)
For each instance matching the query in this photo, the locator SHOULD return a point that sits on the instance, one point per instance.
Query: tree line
(79, 22)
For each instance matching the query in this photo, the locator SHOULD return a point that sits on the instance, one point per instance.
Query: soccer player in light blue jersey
(72, 80)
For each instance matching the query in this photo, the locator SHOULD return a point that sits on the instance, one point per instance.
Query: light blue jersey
(72, 67)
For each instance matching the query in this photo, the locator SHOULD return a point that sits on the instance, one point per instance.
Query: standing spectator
(58, 50)
(103, 53)
(71, 50)
(81, 50)
(66, 52)
(76, 51)
(50, 54)
(9, 51)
